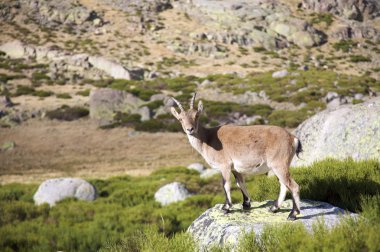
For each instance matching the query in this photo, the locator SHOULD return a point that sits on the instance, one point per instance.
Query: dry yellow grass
(46, 149)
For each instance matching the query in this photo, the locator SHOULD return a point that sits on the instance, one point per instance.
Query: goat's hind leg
(281, 197)
(284, 177)
(226, 175)
(241, 184)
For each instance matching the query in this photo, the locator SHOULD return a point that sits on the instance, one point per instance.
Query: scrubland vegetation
(125, 216)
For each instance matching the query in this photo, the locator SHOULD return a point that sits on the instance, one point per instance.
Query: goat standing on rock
(244, 150)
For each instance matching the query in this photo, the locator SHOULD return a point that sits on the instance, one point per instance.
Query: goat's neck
(198, 140)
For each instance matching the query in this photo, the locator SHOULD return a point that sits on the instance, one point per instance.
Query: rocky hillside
(251, 62)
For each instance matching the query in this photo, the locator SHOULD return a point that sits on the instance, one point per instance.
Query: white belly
(256, 170)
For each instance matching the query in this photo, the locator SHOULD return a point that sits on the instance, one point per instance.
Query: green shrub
(63, 96)
(345, 45)
(85, 92)
(359, 58)
(24, 90)
(66, 113)
(287, 118)
(42, 93)
(326, 18)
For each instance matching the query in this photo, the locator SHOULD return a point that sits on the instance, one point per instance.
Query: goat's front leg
(226, 174)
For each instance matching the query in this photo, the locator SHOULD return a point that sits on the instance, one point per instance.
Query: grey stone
(331, 96)
(144, 113)
(209, 173)
(8, 146)
(171, 193)
(215, 227)
(14, 49)
(358, 96)
(105, 102)
(52, 191)
(347, 131)
(280, 74)
(5, 102)
(198, 167)
(112, 68)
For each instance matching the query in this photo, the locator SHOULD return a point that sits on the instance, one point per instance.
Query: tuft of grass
(66, 113)
(359, 58)
(326, 18)
(85, 92)
(63, 96)
(345, 45)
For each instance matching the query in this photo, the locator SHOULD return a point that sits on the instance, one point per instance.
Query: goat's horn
(179, 104)
(192, 100)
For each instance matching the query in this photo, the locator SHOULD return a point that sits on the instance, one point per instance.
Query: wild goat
(244, 150)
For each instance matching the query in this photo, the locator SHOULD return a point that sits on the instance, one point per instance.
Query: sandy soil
(46, 149)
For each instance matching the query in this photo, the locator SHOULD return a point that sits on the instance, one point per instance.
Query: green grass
(125, 216)
(326, 18)
(359, 58)
(63, 96)
(345, 45)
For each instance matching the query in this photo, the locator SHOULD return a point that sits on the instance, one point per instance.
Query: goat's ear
(200, 106)
(174, 112)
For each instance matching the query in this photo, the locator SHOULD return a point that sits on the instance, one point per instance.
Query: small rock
(205, 83)
(8, 146)
(263, 95)
(144, 112)
(53, 190)
(331, 96)
(198, 167)
(14, 49)
(358, 96)
(280, 74)
(171, 193)
(97, 22)
(5, 102)
(209, 173)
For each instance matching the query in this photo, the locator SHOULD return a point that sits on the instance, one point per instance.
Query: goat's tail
(298, 147)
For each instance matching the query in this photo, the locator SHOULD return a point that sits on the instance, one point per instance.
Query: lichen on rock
(215, 227)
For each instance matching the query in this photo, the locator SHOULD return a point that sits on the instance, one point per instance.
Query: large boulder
(171, 193)
(347, 131)
(214, 227)
(53, 190)
(112, 68)
(105, 102)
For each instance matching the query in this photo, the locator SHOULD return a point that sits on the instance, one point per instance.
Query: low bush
(359, 58)
(287, 118)
(63, 96)
(85, 92)
(66, 113)
(345, 45)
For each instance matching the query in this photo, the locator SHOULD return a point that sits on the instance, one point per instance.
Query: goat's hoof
(226, 208)
(273, 209)
(292, 216)
(246, 205)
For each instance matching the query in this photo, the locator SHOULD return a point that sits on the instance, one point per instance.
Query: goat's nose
(190, 130)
